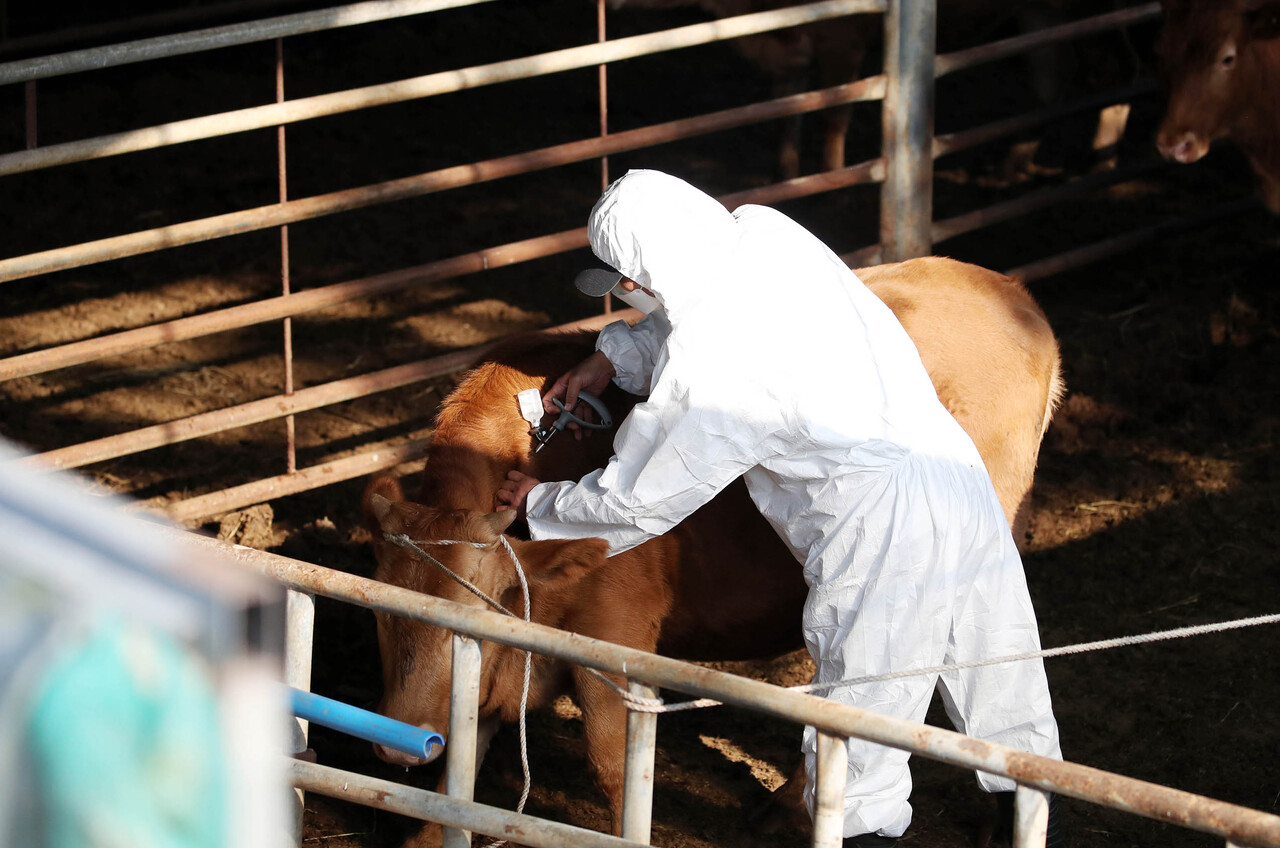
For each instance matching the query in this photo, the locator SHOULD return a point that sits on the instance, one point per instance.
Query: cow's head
(1216, 56)
(417, 657)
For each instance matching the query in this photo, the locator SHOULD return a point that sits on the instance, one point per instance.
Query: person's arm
(624, 354)
(633, 350)
(672, 455)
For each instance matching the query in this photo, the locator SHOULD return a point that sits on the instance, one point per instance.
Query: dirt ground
(1156, 495)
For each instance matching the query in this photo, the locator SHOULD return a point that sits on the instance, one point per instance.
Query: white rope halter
(404, 541)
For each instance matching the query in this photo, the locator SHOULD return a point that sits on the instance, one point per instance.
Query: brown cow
(1221, 59)
(721, 585)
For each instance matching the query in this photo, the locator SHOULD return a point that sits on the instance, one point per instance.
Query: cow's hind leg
(785, 811)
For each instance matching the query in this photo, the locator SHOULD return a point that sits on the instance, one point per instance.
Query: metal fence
(905, 168)
(907, 228)
(835, 722)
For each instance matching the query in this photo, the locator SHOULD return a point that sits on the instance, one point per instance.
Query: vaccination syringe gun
(531, 410)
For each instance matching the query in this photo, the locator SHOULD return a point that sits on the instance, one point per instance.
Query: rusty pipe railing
(1067, 260)
(451, 812)
(993, 51)
(346, 200)
(279, 406)
(429, 85)
(213, 38)
(296, 303)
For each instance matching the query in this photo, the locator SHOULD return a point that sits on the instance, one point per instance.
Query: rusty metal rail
(429, 85)
(346, 200)
(266, 29)
(994, 51)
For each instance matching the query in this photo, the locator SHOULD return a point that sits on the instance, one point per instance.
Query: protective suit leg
(1009, 703)
(929, 574)
(882, 605)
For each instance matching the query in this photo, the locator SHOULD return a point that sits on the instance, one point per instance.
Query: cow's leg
(1268, 183)
(785, 811)
(835, 135)
(604, 720)
(840, 47)
(789, 137)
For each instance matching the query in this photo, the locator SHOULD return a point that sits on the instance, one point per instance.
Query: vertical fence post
(464, 712)
(299, 617)
(291, 455)
(637, 792)
(602, 37)
(906, 198)
(833, 772)
(1030, 817)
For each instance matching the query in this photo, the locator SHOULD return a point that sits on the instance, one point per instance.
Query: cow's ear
(379, 507)
(1263, 22)
(500, 520)
(560, 562)
(380, 493)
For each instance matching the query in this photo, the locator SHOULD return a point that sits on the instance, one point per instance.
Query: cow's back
(992, 357)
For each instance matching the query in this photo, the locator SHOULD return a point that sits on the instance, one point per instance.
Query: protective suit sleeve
(671, 457)
(633, 350)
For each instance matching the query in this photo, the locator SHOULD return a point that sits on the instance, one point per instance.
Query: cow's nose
(400, 758)
(1185, 148)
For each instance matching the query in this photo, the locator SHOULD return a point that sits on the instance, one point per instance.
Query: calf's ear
(380, 493)
(499, 521)
(560, 562)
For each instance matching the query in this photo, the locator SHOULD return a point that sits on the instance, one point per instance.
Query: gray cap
(597, 282)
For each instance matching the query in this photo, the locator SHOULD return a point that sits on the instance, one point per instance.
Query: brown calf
(720, 586)
(1221, 59)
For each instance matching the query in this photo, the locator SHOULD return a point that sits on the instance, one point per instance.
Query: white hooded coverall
(775, 363)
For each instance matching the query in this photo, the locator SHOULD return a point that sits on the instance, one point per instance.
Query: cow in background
(1221, 59)
(833, 52)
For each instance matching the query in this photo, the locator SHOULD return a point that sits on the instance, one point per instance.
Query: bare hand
(514, 490)
(592, 375)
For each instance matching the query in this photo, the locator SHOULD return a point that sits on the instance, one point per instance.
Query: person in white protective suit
(770, 360)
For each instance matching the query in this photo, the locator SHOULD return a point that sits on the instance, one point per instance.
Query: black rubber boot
(870, 840)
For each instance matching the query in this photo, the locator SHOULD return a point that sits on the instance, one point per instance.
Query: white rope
(657, 705)
(405, 542)
(1081, 648)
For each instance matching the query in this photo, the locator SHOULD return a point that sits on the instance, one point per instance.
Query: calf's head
(417, 657)
(1218, 57)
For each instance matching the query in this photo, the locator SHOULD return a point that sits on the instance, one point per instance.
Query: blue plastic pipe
(363, 724)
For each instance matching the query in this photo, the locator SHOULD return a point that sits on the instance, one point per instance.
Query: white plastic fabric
(775, 363)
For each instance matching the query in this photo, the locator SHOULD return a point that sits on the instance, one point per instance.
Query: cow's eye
(1228, 59)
